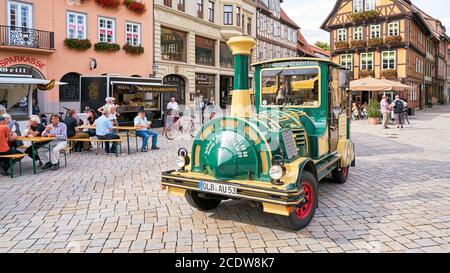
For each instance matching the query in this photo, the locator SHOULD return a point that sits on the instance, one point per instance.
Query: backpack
(398, 108)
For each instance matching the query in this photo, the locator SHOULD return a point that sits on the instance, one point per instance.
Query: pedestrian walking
(385, 110)
(399, 108)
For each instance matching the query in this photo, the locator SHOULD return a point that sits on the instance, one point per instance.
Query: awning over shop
(143, 87)
(380, 85)
(17, 80)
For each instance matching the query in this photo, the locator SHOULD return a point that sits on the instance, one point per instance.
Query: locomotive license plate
(217, 188)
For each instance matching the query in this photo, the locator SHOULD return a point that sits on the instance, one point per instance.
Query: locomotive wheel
(200, 203)
(340, 175)
(302, 214)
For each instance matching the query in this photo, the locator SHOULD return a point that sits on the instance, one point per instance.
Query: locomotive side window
(297, 87)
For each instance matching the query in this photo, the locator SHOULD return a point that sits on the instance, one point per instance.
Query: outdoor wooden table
(127, 129)
(35, 140)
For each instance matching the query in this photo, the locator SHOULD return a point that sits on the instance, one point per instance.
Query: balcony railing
(26, 37)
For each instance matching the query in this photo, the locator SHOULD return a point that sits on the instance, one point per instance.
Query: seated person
(90, 121)
(35, 129)
(5, 137)
(104, 129)
(14, 128)
(144, 132)
(58, 130)
(73, 132)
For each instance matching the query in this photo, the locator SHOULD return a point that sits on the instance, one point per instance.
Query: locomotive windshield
(290, 87)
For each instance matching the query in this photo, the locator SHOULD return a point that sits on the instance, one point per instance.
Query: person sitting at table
(90, 121)
(35, 129)
(14, 127)
(144, 132)
(58, 130)
(104, 129)
(5, 137)
(72, 123)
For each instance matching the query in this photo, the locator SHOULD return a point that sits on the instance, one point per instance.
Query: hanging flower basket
(366, 73)
(106, 47)
(375, 42)
(133, 50)
(78, 44)
(365, 15)
(358, 43)
(393, 39)
(341, 45)
(109, 4)
(389, 73)
(135, 6)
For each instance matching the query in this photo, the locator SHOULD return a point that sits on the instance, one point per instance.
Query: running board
(325, 169)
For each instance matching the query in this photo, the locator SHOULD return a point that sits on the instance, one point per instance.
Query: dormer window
(358, 6)
(370, 5)
(363, 5)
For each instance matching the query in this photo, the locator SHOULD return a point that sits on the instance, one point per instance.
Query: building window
(205, 85)
(70, 91)
(76, 25)
(211, 11)
(133, 34)
(227, 15)
(200, 9)
(420, 38)
(367, 61)
(394, 29)
(419, 65)
(205, 51)
(249, 26)
(342, 35)
(358, 6)
(347, 60)
(226, 56)
(106, 30)
(238, 16)
(173, 45)
(370, 5)
(181, 5)
(375, 31)
(388, 59)
(168, 3)
(358, 33)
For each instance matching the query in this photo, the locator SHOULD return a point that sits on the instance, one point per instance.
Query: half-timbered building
(391, 39)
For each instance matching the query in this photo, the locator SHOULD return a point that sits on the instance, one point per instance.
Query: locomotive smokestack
(241, 47)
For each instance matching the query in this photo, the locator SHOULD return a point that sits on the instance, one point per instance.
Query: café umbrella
(380, 85)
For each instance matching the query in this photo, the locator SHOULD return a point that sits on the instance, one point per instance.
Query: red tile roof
(320, 51)
(285, 18)
(303, 45)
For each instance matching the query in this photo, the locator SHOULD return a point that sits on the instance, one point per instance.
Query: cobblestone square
(397, 199)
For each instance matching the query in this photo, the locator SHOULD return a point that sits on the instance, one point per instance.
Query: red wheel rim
(304, 210)
(345, 171)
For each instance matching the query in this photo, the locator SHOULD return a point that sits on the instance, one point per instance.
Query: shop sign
(19, 71)
(8, 61)
(159, 89)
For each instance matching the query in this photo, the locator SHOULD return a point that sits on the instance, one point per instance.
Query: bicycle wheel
(172, 132)
(406, 117)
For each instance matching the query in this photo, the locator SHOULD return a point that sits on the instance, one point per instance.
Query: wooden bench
(100, 141)
(12, 161)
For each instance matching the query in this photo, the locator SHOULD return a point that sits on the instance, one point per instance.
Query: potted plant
(78, 44)
(393, 39)
(365, 15)
(135, 6)
(358, 43)
(389, 73)
(341, 45)
(133, 50)
(106, 47)
(373, 112)
(364, 73)
(375, 41)
(110, 4)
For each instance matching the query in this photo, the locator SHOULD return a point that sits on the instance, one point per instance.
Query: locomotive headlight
(181, 162)
(183, 159)
(276, 172)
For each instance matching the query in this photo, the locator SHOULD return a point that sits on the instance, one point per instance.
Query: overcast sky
(310, 14)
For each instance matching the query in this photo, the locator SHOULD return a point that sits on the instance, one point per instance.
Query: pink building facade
(33, 35)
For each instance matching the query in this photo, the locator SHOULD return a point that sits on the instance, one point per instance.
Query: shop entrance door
(226, 85)
(180, 96)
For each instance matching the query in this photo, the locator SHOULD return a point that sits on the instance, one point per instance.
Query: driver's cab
(316, 88)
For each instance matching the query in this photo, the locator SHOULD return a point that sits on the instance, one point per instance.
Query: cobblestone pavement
(397, 199)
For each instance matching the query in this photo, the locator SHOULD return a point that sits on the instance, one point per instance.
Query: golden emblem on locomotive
(278, 142)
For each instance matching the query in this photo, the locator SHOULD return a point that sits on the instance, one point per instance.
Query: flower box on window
(110, 4)
(341, 45)
(135, 6)
(365, 15)
(78, 44)
(133, 50)
(366, 73)
(393, 39)
(106, 47)
(358, 43)
(389, 73)
(375, 42)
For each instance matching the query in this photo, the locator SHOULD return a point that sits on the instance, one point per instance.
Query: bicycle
(171, 132)
(406, 116)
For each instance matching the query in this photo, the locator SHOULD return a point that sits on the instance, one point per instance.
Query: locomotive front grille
(299, 136)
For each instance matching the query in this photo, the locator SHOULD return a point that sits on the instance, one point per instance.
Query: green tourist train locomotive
(278, 142)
